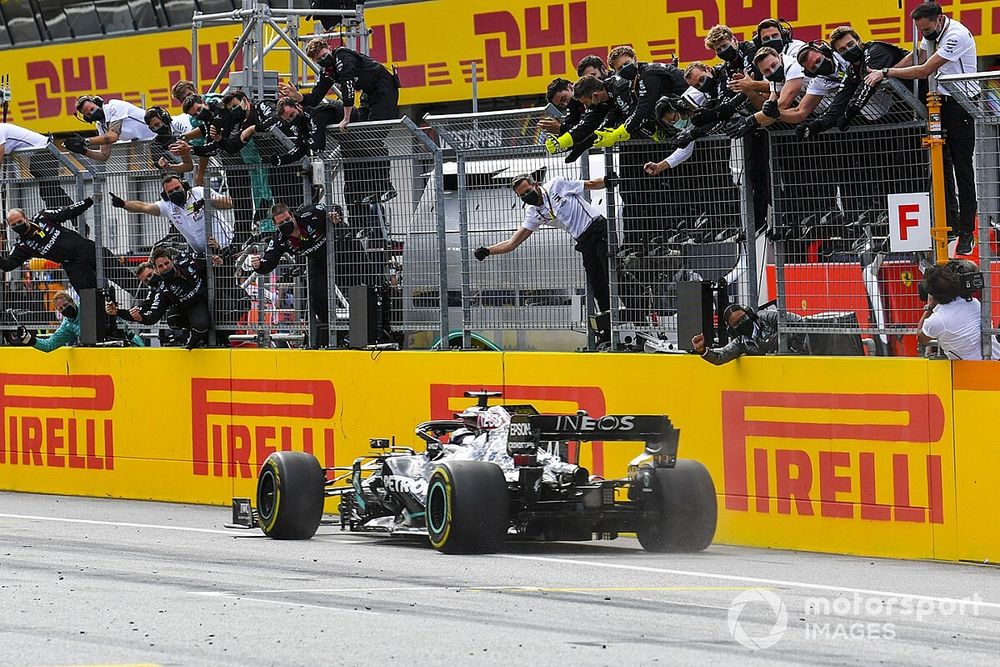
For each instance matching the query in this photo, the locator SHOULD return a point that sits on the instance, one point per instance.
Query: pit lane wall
(882, 457)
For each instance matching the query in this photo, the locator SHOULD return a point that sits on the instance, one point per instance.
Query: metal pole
(475, 89)
(934, 141)
(292, 28)
(331, 286)
(259, 49)
(749, 224)
(239, 46)
(213, 329)
(363, 29)
(195, 24)
(588, 298)
(295, 49)
(609, 165)
(463, 234)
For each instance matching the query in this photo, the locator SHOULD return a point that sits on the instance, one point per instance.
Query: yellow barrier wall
(842, 455)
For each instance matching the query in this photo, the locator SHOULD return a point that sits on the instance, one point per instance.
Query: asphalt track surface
(97, 581)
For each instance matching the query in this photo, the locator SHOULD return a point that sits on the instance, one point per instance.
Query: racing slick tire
(685, 508)
(468, 508)
(290, 495)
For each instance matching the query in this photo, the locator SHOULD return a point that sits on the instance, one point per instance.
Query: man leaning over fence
(42, 164)
(560, 203)
(753, 333)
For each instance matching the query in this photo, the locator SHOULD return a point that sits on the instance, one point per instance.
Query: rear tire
(468, 508)
(290, 495)
(686, 509)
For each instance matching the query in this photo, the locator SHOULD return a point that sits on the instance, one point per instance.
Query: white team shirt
(563, 206)
(133, 125)
(956, 326)
(829, 85)
(192, 225)
(180, 124)
(16, 138)
(793, 70)
(957, 46)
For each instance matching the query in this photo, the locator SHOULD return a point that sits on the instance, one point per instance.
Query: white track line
(749, 580)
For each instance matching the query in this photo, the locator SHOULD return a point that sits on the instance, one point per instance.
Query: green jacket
(68, 333)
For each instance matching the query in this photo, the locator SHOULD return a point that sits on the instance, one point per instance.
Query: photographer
(752, 333)
(952, 316)
(68, 332)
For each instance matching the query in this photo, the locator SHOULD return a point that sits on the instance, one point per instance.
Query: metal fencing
(831, 224)
(413, 203)
(979, 94)
(34, 180)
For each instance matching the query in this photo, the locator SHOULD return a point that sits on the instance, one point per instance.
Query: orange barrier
(879, 457)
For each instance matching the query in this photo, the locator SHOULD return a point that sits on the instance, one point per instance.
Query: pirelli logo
(238, 423)
(842, 456)
(57, 421)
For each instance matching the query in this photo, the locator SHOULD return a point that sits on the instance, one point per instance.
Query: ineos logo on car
(605, 423)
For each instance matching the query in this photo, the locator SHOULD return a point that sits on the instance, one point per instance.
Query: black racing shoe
(966, 242)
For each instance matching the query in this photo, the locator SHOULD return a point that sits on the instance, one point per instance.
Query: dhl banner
(518, 46)
(869, 456)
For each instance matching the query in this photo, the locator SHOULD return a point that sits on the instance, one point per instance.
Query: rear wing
(657, 432)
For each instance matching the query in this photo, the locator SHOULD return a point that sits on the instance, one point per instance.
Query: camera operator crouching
(952, 316)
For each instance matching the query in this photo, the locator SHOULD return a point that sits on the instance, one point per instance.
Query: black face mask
(155, 279)
(729, 53)
(238, 114)
(532, 197)
(327, 61)
(69, 311)
(775, 43)
(287, 227)
(825, 68)
(778, 75)
(854, 54)
(628, 71)
(163, 130)
(933, 36)
(95, 116)
(20, 228)
(709, 86)
(205, 115)
(177, 197)
(744, 326)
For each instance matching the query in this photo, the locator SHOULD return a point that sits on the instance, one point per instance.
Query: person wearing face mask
(856, 95)
(560, 95)
(578, 137)
(41, 164)
(948, 47)
(185, 207)
(752, 333)
(116, 120)
(353, 71)
(302, 233)
(68, 332)
(45, 237)
(742, 78)
(560, 203)
(169, 131)
(307, 133)
(649, 82)
(180, 293)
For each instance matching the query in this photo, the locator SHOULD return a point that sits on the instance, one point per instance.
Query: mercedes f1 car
(494, 473)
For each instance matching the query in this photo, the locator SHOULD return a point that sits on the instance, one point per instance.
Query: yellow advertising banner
(518, 47)
(824, 454)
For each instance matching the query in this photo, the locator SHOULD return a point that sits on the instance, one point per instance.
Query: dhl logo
(799, 476)
(447, 399)
(238, 423)
(44, 421)
(57, 83)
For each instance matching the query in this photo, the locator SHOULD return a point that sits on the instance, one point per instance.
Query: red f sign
(910, 222)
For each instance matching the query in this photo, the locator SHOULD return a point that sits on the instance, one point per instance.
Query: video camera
(969, 275)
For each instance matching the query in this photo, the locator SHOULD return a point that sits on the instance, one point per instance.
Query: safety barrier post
(934, 142)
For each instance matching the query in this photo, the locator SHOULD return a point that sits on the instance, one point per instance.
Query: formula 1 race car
(496, 472)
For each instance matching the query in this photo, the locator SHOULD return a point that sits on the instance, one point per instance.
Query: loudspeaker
(694, 313)
(364, 316)
(92, 317)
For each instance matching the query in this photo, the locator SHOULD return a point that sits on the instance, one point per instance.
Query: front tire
(468, 508)
(290, 495)
(685, 509)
